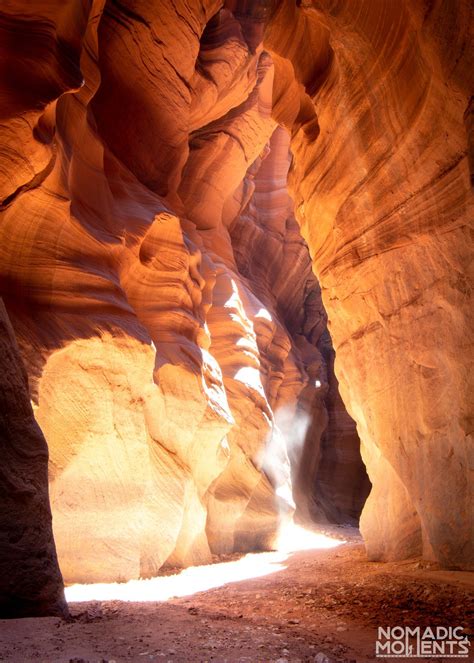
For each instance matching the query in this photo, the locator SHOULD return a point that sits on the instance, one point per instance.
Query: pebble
(322, 658)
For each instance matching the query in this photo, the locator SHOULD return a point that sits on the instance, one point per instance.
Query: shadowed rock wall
(30, 580)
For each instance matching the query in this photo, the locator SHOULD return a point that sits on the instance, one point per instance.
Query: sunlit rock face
(384, 200)
(161, 293)
(328, 477)
(159, 287)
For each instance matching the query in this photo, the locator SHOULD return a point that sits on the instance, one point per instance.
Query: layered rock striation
(154, 270)
(162, 294)
(383, 197)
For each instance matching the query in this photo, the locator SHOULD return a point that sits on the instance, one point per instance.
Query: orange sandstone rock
(160, 290)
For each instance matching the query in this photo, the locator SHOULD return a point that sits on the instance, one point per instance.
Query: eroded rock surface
(384, 200)
(161, 293)
(30, 580)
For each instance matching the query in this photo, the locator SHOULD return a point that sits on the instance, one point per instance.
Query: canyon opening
(236, 326)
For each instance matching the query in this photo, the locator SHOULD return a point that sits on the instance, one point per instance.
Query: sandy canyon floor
(321, 605)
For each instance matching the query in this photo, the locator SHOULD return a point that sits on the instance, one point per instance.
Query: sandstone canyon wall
(161, 293)
(30, 580)
(384, 200)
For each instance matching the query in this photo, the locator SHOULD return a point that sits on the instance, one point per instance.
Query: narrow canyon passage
(236, 328)
(324, 605)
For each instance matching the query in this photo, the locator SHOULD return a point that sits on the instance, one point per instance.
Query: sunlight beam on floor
(202, 578)
(293, 538)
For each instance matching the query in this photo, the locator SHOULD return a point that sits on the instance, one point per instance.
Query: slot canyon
(237, 328)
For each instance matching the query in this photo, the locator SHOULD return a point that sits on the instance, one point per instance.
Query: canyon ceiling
(189, 191)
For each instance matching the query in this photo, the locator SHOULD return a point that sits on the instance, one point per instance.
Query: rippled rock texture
(384, 200)
(161, 293)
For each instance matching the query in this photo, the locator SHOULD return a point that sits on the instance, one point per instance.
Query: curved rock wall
(161, 293)
(384, 201)
(160, 289)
